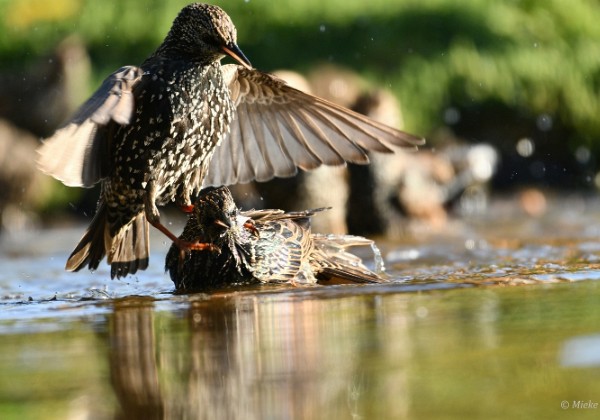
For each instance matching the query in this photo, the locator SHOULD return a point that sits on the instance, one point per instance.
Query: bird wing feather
(277, 129)
(301, 218)
(281, 250)
(77, 153)
(333, 259)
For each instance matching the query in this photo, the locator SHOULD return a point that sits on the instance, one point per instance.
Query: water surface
(494, 318)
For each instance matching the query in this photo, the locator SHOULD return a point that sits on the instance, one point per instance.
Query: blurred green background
(495, 72)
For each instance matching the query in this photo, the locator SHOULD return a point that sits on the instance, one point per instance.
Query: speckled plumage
(261, 246)
(159, 132)
(157, 149)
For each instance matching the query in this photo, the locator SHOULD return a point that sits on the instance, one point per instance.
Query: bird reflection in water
(229, 356)
(133, 365)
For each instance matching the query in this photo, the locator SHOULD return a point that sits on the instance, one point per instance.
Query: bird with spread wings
(182, 121)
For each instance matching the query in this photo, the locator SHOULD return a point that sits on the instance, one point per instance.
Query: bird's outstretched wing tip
(420, 141)
(414, 147)
(63, 159)
(280, 128)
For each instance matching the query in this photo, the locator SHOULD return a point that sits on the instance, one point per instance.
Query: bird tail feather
(127, 250)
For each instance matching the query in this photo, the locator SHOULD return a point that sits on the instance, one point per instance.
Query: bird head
(203, 32)
(215, 213)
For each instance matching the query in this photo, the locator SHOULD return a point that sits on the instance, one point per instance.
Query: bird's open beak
(234, 52)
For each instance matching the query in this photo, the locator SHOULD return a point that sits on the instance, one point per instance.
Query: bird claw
(250, 226)
(186, 246)
(200, 246)
(186, 208)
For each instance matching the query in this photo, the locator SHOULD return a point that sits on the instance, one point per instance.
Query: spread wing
(278, 129)
(76, 153)
(337, 265)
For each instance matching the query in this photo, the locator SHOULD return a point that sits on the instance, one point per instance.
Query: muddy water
(494, 317)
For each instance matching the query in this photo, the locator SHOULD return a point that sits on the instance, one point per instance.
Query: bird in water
(261, 246)
(182, 121)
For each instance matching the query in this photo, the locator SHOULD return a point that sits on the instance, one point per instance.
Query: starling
(261, 246)
(161, 131)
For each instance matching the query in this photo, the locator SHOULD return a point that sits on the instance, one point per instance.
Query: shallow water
(496, 317)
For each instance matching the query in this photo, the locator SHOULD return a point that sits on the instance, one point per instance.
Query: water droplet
(470, 244)
(451, 115)
(583, 154)
(544, 122)
(482, 160)
(525, 147)
(377, 258)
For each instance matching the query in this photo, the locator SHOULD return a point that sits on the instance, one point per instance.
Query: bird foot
(186, 208)
(182, 244)
(187, 246)
(250, 226)
(196, 246)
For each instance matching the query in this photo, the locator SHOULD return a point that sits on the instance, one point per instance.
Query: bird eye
(210, 40)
